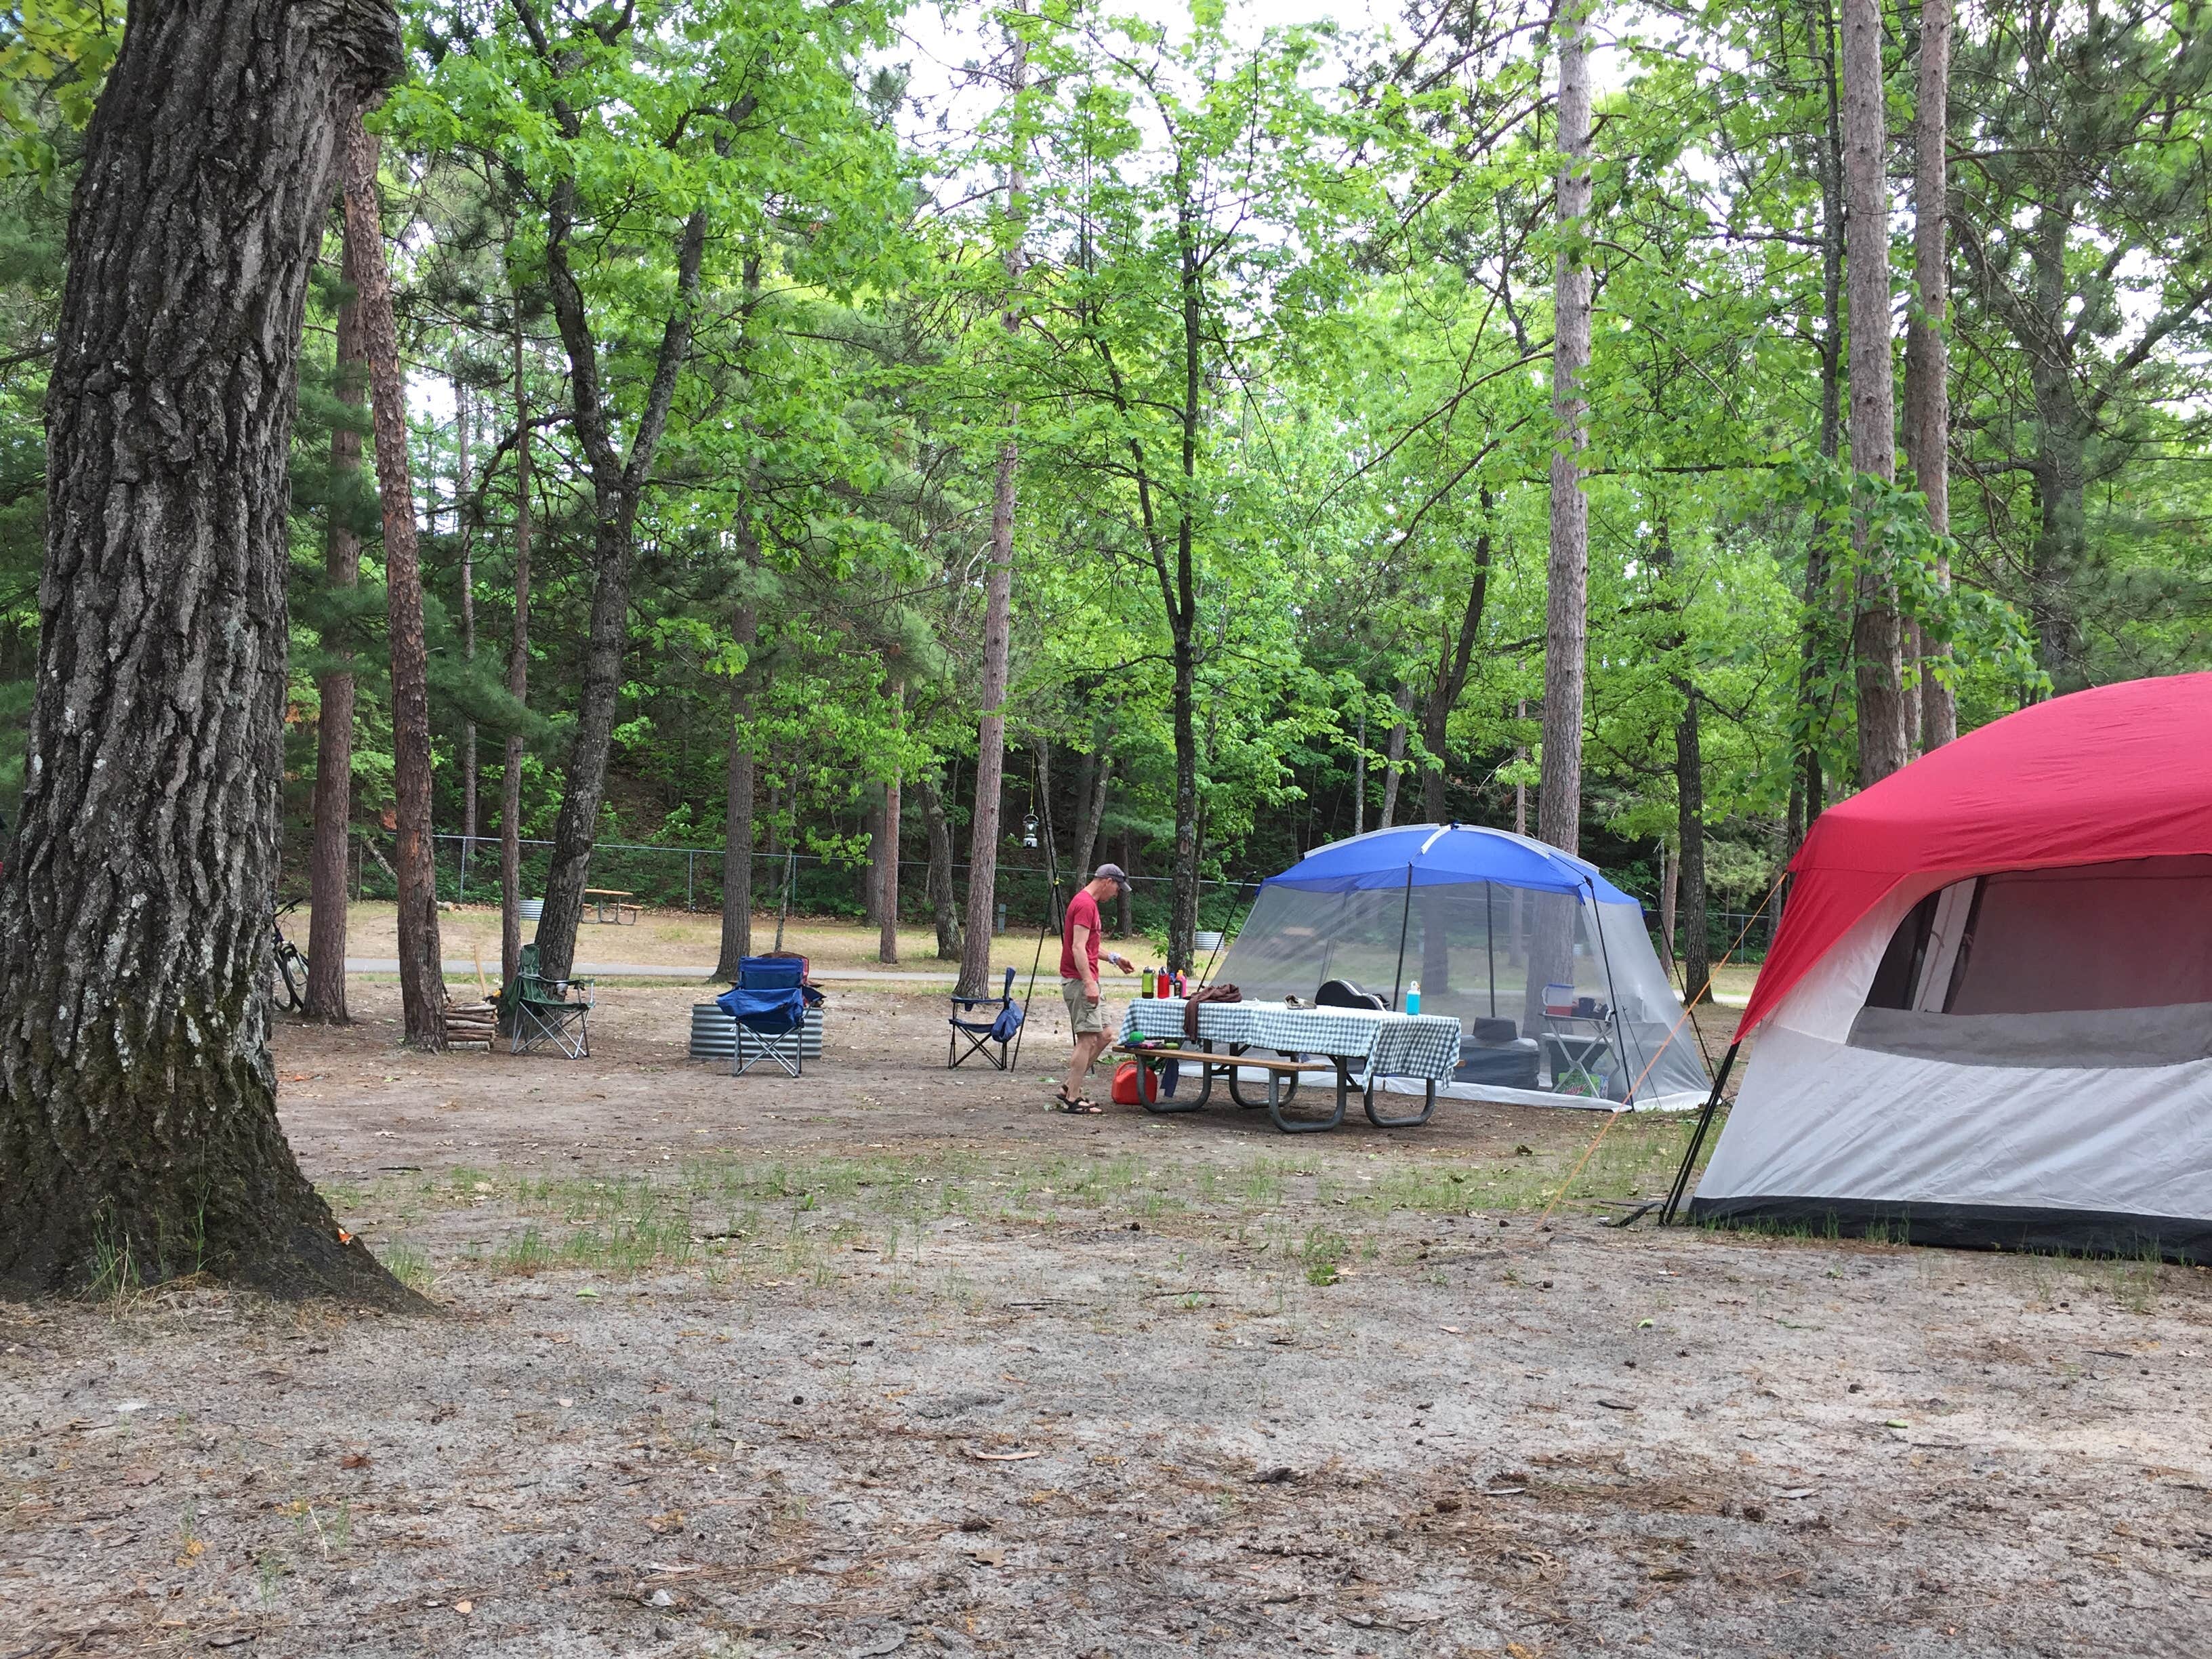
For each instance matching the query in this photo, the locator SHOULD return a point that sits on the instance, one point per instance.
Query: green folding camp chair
(537, 1013)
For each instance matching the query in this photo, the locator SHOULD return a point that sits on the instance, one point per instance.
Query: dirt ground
(891, 1359)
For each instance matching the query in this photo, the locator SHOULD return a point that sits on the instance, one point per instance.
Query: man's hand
(1121, 961)
(1090, 992)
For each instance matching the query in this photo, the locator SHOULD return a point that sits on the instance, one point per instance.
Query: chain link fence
(812, 884)
(806, 884)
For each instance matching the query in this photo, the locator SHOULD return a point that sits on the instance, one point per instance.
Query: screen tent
(1498, 931)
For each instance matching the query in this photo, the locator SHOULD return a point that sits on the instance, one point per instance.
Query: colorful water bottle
(1145, 984)
(1414, 997)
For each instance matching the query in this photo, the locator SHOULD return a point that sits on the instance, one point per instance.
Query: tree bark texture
(422, 962)
(1927, 366)
(327, 863)
(738, 814)
(1559, 800)
(1877, 631)
(943, 903)
(998, 635)
(1670, 894)
(139, 1131)
(518, 685)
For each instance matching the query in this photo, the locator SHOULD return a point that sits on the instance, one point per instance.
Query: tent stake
(1698, 1135)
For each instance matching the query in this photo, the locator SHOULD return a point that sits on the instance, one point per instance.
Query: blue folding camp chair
(767, 1005)
(980, 1033)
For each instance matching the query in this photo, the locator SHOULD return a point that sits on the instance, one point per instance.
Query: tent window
(2098, 937)
(1893, 981)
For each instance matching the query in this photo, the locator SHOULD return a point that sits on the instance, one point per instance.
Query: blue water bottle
(1414, 997)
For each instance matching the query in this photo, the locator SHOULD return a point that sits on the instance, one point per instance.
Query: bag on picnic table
(1205, 993)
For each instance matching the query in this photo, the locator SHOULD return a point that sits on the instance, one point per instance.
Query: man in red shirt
(1078, 982)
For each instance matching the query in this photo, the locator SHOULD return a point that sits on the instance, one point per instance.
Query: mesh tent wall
(1991, 1023)
(1484, 921)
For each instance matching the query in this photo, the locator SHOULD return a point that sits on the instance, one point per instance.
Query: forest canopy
(1213, 356)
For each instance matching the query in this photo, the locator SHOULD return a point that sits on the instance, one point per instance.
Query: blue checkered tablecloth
(1380, 1043)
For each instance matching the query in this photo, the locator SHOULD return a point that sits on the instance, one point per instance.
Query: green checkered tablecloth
(1382, 1044)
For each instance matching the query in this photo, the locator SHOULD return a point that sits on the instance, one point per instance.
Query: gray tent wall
(1484, 934)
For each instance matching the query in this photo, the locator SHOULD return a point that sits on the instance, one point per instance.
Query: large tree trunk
(872, 883)
(1559, 802)
(1394, 758)
(738, 814)
(1359, 778)
(1182, 887)
(1451, 681)
(991, 730)
(1808, 785)
(518, 686)
(888, 895)
(422, 966)
(327, 864)
(467, 529)
(1690, 833)
(1560, 797)
(944, 905)
(618, 486)
(1094, 814)
(2061, 470)
(139, 1131)
(1877, 633)
(1125, 913)
(998, 641)
(1927, 369)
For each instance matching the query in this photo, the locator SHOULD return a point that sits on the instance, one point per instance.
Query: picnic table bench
(1363, 1043)
(606, 900)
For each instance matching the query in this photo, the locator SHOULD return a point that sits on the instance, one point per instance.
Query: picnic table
(603, 900)
(1361, 1043)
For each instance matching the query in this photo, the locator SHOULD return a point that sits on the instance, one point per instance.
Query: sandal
(1077, 1106)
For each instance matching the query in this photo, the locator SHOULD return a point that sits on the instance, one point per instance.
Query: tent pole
(1398, 974)
(1490, 940)
(1612, 997)
(1698, 1135)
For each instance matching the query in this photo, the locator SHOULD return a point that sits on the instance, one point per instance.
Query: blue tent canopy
(1441, 855)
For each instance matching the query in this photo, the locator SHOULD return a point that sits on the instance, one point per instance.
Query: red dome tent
(1987, 1018)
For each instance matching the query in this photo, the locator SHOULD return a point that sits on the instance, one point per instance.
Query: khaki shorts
(1084, 1016)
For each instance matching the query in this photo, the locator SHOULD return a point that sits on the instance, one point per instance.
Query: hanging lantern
(1029, 831)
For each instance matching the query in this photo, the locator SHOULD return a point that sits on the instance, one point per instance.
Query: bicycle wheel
(294, 967)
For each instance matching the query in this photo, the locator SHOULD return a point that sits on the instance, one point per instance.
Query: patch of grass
(407, 1263)
(1322, 1254)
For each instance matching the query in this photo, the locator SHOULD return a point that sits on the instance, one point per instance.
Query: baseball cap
(1111, 872)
